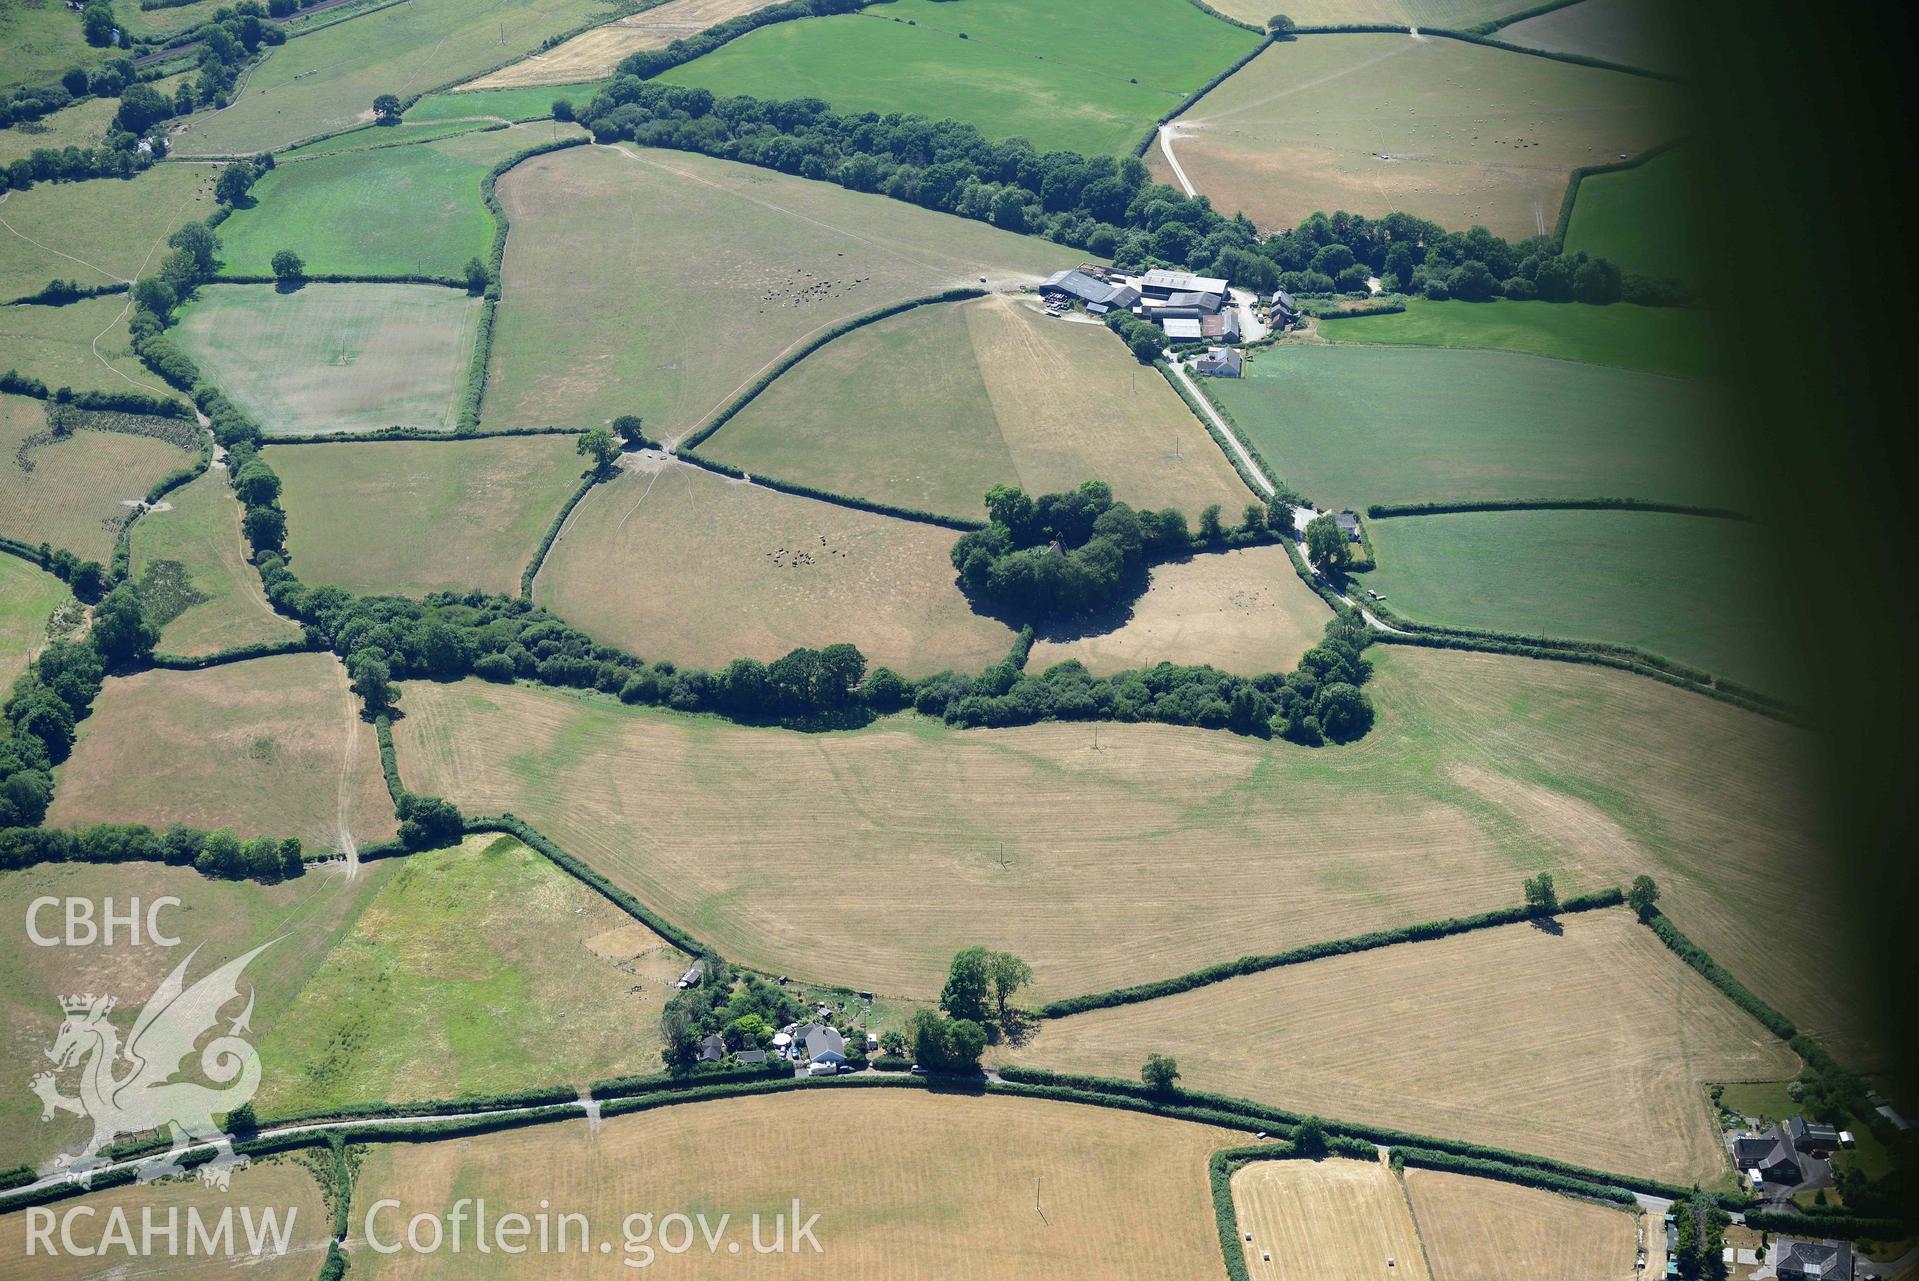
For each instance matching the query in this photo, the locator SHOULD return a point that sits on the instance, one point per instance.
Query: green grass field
(410, 210)
(414, 518)
(1647, 218)
(1694, 589)
(96, 232)
(1660, 340)
(83, 345)
(1632, 33)
(42, 38)
(224, 919)
(931, 408)
(1078, 75)
(474, 970)
(28, 597)
(326, 81)
(335, 358)
(77, 492)
(1347, 426)
(377, 138)
(162, 22)
(662, 283)
(532, 102)
(1459, 133)
(82, 125)
(195, 544)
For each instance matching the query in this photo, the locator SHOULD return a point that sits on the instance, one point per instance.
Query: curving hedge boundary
(1850, 1227)
(1187, 103)
(1385, 511)
(532, 569)
(1584, 172)
(1481, 1168)
(404, 435)
(1211, 12)
(237, 654)
(126, 402)
(1423, 932)
(765, 380)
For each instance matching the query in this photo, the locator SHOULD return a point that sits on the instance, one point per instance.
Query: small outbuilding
(1182, 330)
(751, 1057)
(694, 973)
(1815, 1137)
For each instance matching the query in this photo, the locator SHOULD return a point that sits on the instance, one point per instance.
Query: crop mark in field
(1294, 90)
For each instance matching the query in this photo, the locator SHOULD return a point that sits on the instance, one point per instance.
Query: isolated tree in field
(386, 109)
(1310, 1138)
(599, 445)
(476, 277)
(1326, 545)
(1160, 1072)
(1541, 897)
(372, 681)
(120, 630)
(965, 1042)
(288, 267)
(1280, 26)
(629, 428)
(968, 984)
(1643, 895)
(1006, 974)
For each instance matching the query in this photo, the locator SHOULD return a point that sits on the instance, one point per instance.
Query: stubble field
(335, 358)
(223, 606)
(1633, 33)
(896, 1176)
(414, 517)
(1479, 1230)
(1331, 1220)
(268, 747)
(74, 492)
(1459, 133)
(592, 55)
(663, 283)
(1593, 1045)
(932, 408)
(671, 562)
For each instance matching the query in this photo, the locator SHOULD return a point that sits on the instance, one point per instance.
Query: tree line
(1109, 207)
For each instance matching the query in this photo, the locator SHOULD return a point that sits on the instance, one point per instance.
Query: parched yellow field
(412, 517)
(74, 493)
(279, 1185)
(1479, 1230)
(897, 1178)
(593, 54)
(1593, 1046)
(1331, 1220)
(268, 747)
(1426, 13)
(932, 408)
(1459, 133)
(671, 562)
(1243, 611)
(199, 529)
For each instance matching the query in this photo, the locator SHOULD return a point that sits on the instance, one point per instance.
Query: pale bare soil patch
(897, 1177)
(594, 54)
(678, 563)
(1332, 1220)
(1479, 1230)
(269, 747)
(1593, 1045)
(1243, 611)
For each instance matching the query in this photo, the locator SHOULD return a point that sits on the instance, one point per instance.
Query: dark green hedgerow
(1190, 100)
(1380, 511)
(622, 1087)
(1422, 932)
(829, 496)
(1849, 1227)
(409, 435)
(389, 759)
(1506, 1172)
(237, 654)
(1584, 172)
(1717, 975)
(124, 402)
(532, 569)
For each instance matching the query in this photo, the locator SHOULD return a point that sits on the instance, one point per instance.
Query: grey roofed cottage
(1284, 305)
(1771, 1154)
(1348, 523)
(1220, 362)
(824, 1045)
(751, 1056)
(712, 1049)
(1814, 1261)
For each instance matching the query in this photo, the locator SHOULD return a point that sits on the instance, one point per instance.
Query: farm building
(1285, 310)
(694, 973)
(751, 1057)
(1348, 525)
(1815, 1137)
(1812, 1260)
(1091, 290)
(1223, 327)
(1219, 362)
(1160, 285)
(1182, 330)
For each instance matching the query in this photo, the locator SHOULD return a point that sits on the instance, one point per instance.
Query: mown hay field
(268, 747)
(280, 1185)
(1593, 1045)
(394, 210)
(335, 358)
(326, 80)
(1332, 1220)
(592, 55)
(75, 492)
(97, 232)
(532, 102)
(1479, 1230)
(671, 562)
(896, 1176)
(1168, 849)
(1243, 611)
(664, 283)
(412, 517)
(1075, 75)
(1459, 133)
(1348, 426)
(1702, 591)
(475, 970)
(190, 563)
(1661, 340)
(1455, 14)
(1649, 218)
(84, 345)
(28, 597)
(931, 408)
(224, 919)
(1632, 33)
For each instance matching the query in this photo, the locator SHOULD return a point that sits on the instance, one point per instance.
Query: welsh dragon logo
(130, 1089)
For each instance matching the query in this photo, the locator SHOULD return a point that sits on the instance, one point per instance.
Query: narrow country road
(1166, 136)
(1264, 486)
